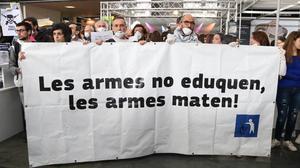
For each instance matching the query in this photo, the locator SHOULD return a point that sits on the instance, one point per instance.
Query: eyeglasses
(20, 30)
(188, 22)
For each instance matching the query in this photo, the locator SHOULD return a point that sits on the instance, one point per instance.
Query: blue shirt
(292, 77)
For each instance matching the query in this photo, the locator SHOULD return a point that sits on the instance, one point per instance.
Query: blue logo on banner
(246, 125)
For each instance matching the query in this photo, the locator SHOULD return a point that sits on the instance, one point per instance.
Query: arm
(171, 39)
(282, 66)
(13, 62)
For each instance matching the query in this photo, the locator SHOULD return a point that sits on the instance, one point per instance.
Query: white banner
(123, 100)
(104, 35)
(9, 18)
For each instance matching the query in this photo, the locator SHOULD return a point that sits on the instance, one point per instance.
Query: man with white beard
(101, 26)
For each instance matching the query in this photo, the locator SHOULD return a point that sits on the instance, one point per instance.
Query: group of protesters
(184, 32)
(288, 93)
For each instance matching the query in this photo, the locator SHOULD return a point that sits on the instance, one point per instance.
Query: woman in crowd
(218, 38)
(61, 33)
(201, 38)
(280, 42)
(259, 38)
(139, 33)
(288, 94)
(208, 38)
(76, 36)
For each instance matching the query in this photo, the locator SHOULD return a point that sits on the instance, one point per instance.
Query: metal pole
(108, 15)
(24, 11)
(227, 20)
(240, 20)
(236, 11)
(221, 25)
(277, 21)
(101, 15)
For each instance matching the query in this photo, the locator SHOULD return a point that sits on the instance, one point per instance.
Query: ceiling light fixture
(175, 12)
(70, 7)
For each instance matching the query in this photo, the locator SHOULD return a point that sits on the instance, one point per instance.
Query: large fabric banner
(123, 100)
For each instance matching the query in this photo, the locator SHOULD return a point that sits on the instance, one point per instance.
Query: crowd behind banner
(288, 96)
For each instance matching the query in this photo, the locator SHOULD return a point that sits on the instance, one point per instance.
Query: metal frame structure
(279, 10)
(159, 8)
(225, 10)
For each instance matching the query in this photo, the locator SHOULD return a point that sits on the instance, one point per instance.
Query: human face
(58, 36)
(187, 22)
(73, 28)
(87, 31)
(138, 29)
(280, 43)
(253, 41)
(88, 28)
(22, 33)
(100, 24)
(119, 25)
(216, 39)
(297, 43)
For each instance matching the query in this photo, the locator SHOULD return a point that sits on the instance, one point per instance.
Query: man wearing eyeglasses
(23, 31)
(185, 31)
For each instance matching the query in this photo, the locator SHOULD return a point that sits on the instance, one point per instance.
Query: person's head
(280, 41)
(227, 39)
(101, 25)
(178, 20)
(119, 25)
(208, 38)
(61, 33)
(259, 38)
(187, 24)
(292, 45)
(75, 31)
(217, 38)
(33, 22)
(201, 37)
(155, 36)
(73, 28)
(23, 30)
(140, 30)
(88, 29)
